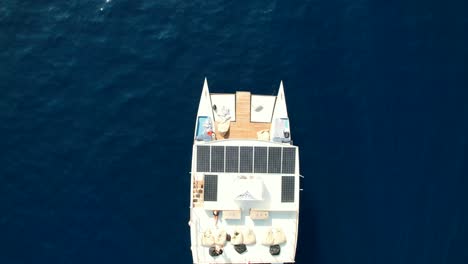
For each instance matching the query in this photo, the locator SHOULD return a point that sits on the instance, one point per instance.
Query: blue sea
(97, 111)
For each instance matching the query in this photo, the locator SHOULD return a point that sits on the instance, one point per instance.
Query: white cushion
(249, 236)
(274, 236)
(223, 127)
(237, 238)
(220, 238)
(279, 236)
(208, 239)
(269, 239)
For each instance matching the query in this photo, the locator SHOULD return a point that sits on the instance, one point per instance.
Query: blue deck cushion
(201, 128)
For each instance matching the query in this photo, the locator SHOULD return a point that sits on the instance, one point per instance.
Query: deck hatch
(217, 159)
(232, 159)
(211, 188)
(203, 158)
(260, 159)
(245, 159)
(287, 189)
(274, 160)
(289, 160)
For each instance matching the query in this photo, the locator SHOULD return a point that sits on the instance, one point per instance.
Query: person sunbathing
(216, 216)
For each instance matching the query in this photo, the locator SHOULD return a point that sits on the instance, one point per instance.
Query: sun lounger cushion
(263, 135)
(279, 236)
(269, 239)
(220, 238)
(249, 237)
(223, 127)
(274, 236)
(237, 238)
(208, 239)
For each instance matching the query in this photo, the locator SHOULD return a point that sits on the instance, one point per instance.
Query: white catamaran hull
(244, 205)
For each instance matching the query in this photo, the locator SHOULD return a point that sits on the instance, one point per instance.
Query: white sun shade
(248, 189)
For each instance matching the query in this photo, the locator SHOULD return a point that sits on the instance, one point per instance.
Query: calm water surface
(97, 108)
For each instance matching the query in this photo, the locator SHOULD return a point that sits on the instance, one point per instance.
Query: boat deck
(202, 220)
(251, 180)
(242, 127)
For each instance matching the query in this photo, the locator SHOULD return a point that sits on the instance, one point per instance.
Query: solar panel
(232, 159)
(287, 189)
(203, 158)
(274, 160)
(260, 159)
(217, 159)
(289, 160)
(246, 156)
(211, 188)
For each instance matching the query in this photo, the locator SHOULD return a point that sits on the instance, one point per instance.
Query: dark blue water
(97, 115)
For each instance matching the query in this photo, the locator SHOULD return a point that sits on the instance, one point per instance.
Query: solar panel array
(246, 159)
(287, 189)
(211, 188)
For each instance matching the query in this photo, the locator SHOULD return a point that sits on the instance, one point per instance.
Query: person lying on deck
(216, 216)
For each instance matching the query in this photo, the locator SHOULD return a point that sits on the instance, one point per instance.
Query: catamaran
(244, 200)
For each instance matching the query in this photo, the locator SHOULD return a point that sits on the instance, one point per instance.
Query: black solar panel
(217, 159)
(287, 189)
(211, 188)
(203, 158)
(260, 159)
(232, 159)
(274, 160)
(246, 156)
(289, 160)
